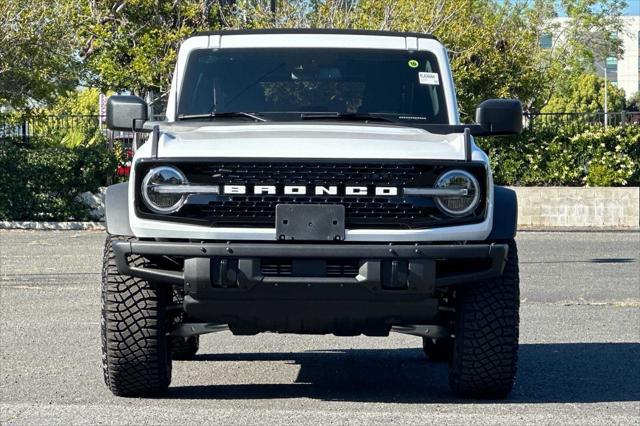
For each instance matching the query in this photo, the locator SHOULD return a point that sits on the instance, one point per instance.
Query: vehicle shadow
(564, 372)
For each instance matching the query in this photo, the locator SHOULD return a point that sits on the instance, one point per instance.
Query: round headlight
(156, 189)
(469, 198)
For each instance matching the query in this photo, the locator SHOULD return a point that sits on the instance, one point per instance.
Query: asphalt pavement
(579, 354)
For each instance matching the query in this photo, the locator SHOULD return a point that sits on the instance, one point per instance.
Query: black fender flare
(116, 210)
(505, 214)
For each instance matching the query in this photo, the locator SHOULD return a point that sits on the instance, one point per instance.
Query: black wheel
(437, 350)
(184, 348)
(485, 348)
(135, 347)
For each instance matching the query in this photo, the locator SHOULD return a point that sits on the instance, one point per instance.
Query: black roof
(317, 31)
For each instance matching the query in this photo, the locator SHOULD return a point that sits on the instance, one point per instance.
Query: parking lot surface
(579, 355)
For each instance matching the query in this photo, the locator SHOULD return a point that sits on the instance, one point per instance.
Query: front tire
(136, 360)
(485, 348)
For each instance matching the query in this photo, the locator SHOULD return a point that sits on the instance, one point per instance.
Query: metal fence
(25, 130)
(577, 121)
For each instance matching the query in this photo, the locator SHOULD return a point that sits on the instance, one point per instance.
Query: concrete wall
(540, 207)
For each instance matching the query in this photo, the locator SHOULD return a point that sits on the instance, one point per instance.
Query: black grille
(343, 268)
(238, 210)
(276, 267)
(334, 268)
(360, 211)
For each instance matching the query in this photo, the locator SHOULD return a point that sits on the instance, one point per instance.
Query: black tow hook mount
(203, 275)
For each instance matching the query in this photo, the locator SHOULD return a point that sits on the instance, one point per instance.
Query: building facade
(627, 68)
(623, 72)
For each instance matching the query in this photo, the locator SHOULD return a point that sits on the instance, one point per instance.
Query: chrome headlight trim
(474, 202)
(145, 186)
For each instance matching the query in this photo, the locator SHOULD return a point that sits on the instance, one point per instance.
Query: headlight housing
(467, 201)
(155, 191)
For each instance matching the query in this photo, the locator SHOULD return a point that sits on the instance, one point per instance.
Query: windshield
(282, 84)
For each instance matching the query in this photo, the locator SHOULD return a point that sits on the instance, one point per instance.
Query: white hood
(307, 140)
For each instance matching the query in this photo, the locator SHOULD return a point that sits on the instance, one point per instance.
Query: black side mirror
(500, 116)
(127, 113)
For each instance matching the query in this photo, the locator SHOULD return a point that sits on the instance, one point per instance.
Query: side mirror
(500, 116)
(126, 112)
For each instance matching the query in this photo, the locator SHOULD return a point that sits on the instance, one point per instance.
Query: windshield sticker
(413, 63)
(430, 78)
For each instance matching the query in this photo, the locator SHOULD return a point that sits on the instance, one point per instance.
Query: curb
(53, 226)
(575, 229)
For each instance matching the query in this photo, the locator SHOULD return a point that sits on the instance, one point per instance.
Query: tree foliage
(586, 94)
(82, 101)
(633, 103)
(132, 44)
(38, 57)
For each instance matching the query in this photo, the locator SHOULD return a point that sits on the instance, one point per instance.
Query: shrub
(550, 157)
(42, 183)
(614, 156)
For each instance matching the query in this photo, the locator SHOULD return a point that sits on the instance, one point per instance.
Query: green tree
(589, 35)
(37, 51)
(586, 94)
(82, 101)
(633, 103)
(132, 44)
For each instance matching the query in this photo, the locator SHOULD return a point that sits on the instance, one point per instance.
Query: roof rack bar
(317, 31)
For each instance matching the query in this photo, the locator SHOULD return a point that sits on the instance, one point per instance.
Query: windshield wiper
(354, 116)
(221, 115)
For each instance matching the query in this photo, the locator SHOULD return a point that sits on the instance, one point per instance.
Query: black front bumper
(423, 261)
(392, 284)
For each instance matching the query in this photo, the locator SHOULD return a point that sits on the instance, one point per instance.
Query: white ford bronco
(312, 182)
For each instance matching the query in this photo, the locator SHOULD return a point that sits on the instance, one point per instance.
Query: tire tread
(485, 352)
(135, 353)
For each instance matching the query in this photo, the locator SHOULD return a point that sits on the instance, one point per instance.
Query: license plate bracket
(310, 222)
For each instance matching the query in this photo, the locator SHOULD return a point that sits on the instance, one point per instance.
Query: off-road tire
(183, 349)
(485, 349)
(437, 350)
(136, 360)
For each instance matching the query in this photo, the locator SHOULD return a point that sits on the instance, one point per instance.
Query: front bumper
(424, 264)
(394, 284)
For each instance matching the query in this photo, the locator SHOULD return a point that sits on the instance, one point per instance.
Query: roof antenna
(175, 77)
(468, 153)
(273, 12)
(155, 139)
(175, 91)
